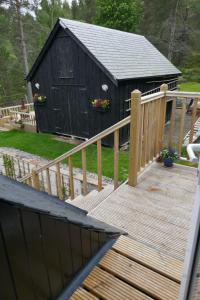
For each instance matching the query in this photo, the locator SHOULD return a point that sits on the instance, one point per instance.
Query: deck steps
(93, 199)
(82, 294)
(132, 271)
(150, 258)
(196, 134)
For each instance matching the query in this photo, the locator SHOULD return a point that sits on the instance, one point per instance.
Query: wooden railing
(26, 118)
(147, 132)
(184, 125)
(34, 179)
(14, 167)
(5, 111)
(172, 85)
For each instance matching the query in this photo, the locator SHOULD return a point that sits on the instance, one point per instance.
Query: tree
(87, 10)
(19, 5)
(75, 9)
(123, 15)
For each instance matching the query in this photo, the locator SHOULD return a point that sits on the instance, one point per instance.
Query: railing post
(134, 136)
(36, 182)
(163, 88)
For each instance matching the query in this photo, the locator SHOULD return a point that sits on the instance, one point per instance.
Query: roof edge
(83, 47)
(157, 76)
(89, 53)
(43, 51)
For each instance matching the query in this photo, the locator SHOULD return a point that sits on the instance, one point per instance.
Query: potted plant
(40, 99)
(168, 156)
(100, 104)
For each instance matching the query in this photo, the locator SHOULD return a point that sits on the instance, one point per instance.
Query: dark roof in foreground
(19, 194)
(125, 55)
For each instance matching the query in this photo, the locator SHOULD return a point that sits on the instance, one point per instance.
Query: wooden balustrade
(5, 111)
(147, 126)
(84, 168)
(26, 118)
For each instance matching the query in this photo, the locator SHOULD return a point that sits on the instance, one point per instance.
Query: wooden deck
(156, 215)
(157, 211)
(132, 271)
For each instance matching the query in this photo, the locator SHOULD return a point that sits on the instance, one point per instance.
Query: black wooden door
(70, 110)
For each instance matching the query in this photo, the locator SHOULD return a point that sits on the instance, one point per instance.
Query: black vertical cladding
(70, 80)
(7, 284)
(38, 267)
(40, 255)
(44, 242)
(16, 253)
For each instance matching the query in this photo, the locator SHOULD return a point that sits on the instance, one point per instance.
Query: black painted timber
(70, 79)
(44, 242)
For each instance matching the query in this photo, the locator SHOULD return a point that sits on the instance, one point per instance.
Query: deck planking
(157, 212)
(132, 271)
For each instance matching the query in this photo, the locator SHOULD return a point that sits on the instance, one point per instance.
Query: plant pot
(168, 162)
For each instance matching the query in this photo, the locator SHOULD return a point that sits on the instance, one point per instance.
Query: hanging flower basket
(39, 99)
(102, 105)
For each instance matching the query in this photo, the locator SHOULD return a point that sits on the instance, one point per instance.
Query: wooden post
(116, 158)
(58, 182)
(181, 130)
(36, 181)
(84, 168)
(171, 129)
(71, 178)
(134, 136)
(163, 88)
(194, 111)
(48, 181)
(99, 165)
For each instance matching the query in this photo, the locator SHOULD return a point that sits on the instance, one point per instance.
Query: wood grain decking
(157, 211)
(156, 215)
(132, 271)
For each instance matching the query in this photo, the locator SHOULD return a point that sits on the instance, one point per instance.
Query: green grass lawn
(190, 87)
(44, 145)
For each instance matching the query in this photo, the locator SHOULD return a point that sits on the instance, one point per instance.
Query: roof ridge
(99, 26)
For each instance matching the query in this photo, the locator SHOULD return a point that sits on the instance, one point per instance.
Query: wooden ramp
(132, 271)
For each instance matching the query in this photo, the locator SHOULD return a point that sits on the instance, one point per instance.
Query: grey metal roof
(125, 55)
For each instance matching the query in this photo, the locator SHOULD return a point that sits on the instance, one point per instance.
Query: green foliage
(123, 15)
(155, 19)
(168, 153)
(46, 146)
(9, 166)
(190, 87)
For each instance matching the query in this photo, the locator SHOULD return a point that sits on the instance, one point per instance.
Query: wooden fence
(147, 126)
(25, 118)
(5, 111)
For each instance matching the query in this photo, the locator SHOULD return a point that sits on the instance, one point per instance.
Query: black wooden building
(47, 247)
(81, 63)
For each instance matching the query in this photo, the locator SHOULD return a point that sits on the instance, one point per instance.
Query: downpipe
(192, 241)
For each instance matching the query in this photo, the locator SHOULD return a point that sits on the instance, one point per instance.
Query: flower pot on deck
(168, 162)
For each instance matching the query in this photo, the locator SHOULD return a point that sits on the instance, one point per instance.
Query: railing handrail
(95, 138)
(183, 94)
(15, 106)
(147, 126)
(20, 113)
(83, 145)
(153, 91)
